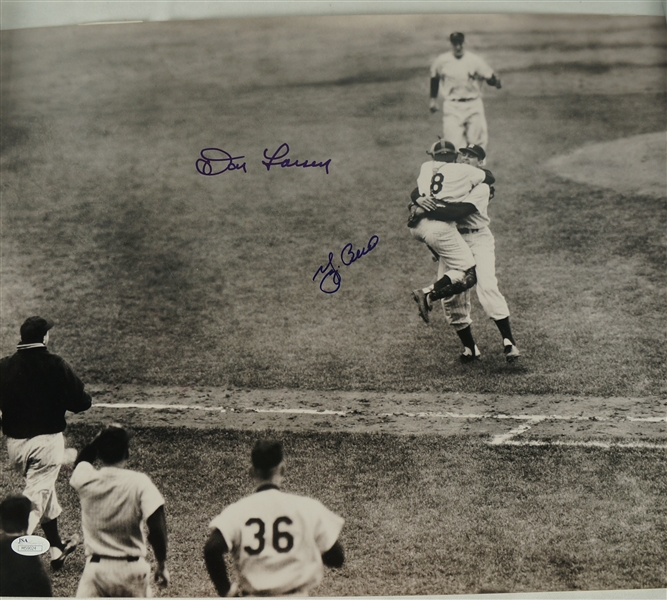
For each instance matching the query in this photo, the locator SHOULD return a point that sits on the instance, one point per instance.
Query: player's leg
(453, 123)
(475, 124)
(457, 312)
(456, 271)
(482, 244)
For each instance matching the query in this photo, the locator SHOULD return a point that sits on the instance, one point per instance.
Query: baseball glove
(416, 213)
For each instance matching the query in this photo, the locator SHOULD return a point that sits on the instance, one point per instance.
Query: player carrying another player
(456, 77)
(279, 541)
(37, 388)
(115, 503)
(443, 184)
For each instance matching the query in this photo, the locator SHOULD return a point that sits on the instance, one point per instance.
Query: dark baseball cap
(442, 147)
(457, 38)
(267, 454)
(34, 329)
(475, 150)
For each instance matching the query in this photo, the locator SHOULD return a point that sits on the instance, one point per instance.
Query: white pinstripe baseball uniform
(446, 182)
(115, 503)
(479, 238)
(463, 121)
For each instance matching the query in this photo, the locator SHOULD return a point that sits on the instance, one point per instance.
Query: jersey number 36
(282, 541)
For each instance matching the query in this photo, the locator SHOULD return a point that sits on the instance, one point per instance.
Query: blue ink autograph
(207, 165)
(275, 159)
(330, 283)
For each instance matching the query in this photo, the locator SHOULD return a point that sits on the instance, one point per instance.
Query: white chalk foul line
(142, 405)
(497, 440)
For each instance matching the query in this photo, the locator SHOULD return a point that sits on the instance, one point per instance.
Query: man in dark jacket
(37, 388)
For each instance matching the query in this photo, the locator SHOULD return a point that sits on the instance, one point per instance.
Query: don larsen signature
(215, 161)
(330, 283)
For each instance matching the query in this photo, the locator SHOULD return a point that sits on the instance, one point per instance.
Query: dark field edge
(424, 514)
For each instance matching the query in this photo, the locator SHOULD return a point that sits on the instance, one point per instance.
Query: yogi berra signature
(215, 161)
(330, 283)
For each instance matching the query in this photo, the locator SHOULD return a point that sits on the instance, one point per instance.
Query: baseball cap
(457, 38)
(34, 329)
(267, 454)
(442, 147)
(475, 150)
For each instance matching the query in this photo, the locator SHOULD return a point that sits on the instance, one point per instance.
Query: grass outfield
(424, 514)
(158, 275)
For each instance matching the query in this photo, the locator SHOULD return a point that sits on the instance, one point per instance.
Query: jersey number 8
(282, 541)
(436, 183)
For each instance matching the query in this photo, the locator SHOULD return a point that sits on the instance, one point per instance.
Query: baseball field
(192, 307)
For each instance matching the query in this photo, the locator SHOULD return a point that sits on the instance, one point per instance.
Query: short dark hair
(113, 445)
(266, 455)
(14, 513)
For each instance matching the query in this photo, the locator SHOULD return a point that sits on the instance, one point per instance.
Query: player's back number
(281, 540)
(436, 183)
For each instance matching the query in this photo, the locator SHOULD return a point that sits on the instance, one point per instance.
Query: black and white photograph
(333, 305)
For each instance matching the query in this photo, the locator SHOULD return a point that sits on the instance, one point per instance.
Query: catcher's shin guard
(446, 288)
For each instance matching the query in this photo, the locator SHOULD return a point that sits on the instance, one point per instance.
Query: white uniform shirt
(277, 540)
(460, 77)
(479, 197)
(448, 182)
(114, 503)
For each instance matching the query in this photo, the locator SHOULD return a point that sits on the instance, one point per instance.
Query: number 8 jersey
(277, 540)
(448, 182)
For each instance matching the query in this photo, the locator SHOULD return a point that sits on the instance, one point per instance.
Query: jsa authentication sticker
(30, 545)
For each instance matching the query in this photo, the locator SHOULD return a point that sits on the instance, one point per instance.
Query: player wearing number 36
(279, 541)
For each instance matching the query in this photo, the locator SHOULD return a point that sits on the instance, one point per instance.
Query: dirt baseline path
(562, 420)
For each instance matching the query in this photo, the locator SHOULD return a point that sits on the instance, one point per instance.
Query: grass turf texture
(424, 515)
(158, 275)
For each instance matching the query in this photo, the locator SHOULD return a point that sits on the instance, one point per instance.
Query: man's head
(35, 329)
(113, 445)
(267, 459)
(14, 514)
(457, 39)
(472, 154)
(442, 151)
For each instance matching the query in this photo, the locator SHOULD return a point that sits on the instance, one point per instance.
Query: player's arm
(334, 557)
(435, 86)
(157, 536)
(214, 551)
(76, 398)
(453, 211)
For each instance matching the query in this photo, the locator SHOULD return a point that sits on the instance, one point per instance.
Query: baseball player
(20, 575)
(115, 505)
(37, 388)
(279, 541)
(474, 229)
(443, 182)
(456, 77)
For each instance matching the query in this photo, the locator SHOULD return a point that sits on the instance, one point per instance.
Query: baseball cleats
(469, 356)
(422, 302)
(512, 353)
(68, 548)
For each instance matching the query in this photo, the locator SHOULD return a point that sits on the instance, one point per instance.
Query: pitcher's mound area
(634, 165)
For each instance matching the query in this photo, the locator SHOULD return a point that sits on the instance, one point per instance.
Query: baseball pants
(39, 459)
(112, 578)
(464, 123)
(455, 256)
(457, 308)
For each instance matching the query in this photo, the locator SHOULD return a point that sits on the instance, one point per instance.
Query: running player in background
(279, 541)
(456, 77)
